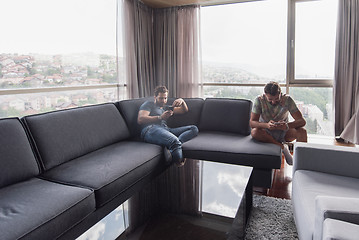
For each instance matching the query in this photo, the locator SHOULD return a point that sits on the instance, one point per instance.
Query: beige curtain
(177, 50)
(162, 48)
(139, 51)
(165, 28)
(346, 82)
(188, 57)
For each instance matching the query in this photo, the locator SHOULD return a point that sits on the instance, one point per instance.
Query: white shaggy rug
(271, 218)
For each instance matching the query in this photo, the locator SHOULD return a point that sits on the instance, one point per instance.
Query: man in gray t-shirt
(153, 116)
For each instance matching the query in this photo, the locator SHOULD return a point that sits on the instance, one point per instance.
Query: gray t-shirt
(277, 112)
(154, 111)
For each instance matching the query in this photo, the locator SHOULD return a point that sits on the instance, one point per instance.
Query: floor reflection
(110, 227)
(223, 187)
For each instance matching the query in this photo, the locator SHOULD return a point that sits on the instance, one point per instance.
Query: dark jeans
(171, 138)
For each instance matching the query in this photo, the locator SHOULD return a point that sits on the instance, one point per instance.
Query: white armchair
(336, 229)
(325, 185)
(337, 208)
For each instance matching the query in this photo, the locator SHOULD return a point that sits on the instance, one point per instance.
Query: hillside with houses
(39, 71)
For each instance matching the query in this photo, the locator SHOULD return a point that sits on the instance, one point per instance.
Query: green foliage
(236, 92)
(90, 73)
(311, 126)
(52, 71)
(12, 112)
(315, 96)
(3, 113)
(109, 78)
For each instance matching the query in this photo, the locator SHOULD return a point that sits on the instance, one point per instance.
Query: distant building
(79, 98)
(65, 105)
(92, 81)
(17, 104)
(315, 113)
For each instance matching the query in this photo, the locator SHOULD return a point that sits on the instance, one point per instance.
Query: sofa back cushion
(63, 135)
(17, 159)
(129, 110)
(226, 115)
(189, 118)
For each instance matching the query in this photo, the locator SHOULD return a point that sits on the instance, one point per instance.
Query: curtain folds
(139, 51)
(162, 48)
(188, 66)
(346, 82)
(165, 28)
(177, 50)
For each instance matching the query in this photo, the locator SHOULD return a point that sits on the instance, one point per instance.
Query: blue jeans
(171, 138)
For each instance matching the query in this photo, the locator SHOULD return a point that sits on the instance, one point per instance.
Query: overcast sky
(252, 34)
(255, 34)
(58, 26)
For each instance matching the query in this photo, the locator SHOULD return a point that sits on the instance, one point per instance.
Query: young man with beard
(153, 116)
(269, 119)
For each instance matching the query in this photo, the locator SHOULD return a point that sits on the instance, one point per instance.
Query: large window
(248, 44)
(58, 54)
(316, 107)
(244, 42)
(314, 40)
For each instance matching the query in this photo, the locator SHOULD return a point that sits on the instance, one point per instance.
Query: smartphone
(168, 108)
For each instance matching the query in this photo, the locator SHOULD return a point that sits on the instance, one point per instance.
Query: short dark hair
(272, 88)
(160, 89)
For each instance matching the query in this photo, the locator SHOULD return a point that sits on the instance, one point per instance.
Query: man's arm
(271, 125)
(299, 121)
(180, 106)
(145, 118)
(254, 122)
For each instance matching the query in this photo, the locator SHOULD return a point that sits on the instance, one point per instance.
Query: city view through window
(247, 44)
(61, 54)
(72, 57)
(54, 48)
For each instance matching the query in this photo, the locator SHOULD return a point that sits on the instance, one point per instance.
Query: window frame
(120, 83)
(291, 81)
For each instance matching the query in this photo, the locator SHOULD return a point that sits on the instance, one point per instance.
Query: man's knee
(174, 144)
(301, 134)
(257, 133)
(194, 130)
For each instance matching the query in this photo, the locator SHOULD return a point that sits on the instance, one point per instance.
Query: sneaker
(287, 155)
(181, 162)
(168, 155)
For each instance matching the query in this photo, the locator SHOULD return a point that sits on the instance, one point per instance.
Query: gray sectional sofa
(325, 193)
(65, 170)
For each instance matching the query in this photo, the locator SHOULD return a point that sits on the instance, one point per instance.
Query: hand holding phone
(168, 108)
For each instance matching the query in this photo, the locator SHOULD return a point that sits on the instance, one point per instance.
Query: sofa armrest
(338, 160)
(335, 229)
(339, 208)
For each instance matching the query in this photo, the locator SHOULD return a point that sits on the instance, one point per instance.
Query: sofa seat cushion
(233, 148)
(111, 170)
(307, 185)
(39, 209)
